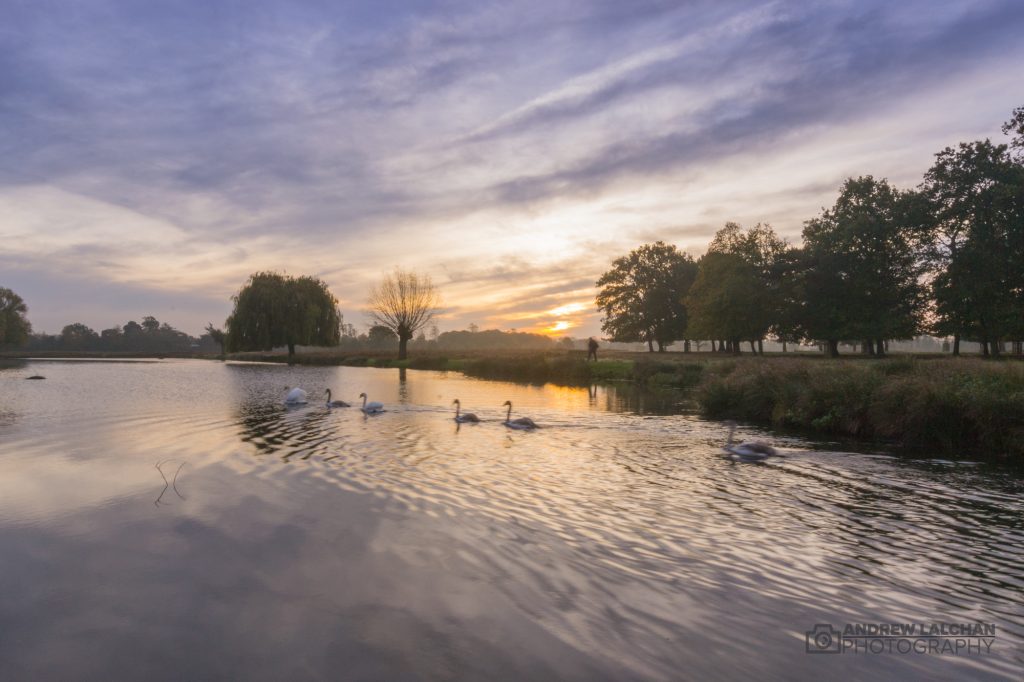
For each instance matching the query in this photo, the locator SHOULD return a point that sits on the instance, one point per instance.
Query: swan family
(297, 396)
(750, 451)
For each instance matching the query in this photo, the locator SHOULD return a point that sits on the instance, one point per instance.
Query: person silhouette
(591, 349)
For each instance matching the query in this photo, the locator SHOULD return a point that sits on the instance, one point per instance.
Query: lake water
(615, 543)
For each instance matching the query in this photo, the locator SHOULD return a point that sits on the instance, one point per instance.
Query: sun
(559, 326)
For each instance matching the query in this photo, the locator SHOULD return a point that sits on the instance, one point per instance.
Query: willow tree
(274, 310)
(14, 326)
(404, 302)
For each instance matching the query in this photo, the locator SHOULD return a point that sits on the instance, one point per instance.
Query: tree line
(148, 336)
(882, 263)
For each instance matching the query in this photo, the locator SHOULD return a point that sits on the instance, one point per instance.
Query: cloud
(514, 148)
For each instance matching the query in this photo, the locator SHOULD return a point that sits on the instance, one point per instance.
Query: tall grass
(954, 407)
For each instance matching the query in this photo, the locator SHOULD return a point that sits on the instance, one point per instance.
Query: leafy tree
(14, 325)
(642, 295)
(762, 249)
(274, 310)
(865, 260)
(78, 336)
(977, 198)
(380, 336)
(1015, 126)
(112, 338)
(217, 336)
(150, 324)
(726, 300)
(404, 302)
(132, 330)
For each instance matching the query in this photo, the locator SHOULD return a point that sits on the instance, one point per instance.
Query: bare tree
(404, 302)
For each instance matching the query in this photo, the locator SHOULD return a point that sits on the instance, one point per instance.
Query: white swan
(335, 403)
(464, 418)
(521, 423)
(296, 396)
(371, 408)
(751, 451)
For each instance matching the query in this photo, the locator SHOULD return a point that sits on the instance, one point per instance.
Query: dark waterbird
(468, 417)
(523, 423)
(335, 403)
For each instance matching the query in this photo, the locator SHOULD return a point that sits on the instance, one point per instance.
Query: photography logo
(824, 639)
(939, 639)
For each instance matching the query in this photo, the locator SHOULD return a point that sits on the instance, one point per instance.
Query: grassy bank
(968, 408)
(567, 369)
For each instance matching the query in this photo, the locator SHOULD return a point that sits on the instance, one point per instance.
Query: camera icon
(824, 639)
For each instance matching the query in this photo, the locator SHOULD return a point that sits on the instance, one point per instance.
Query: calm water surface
(615, 543)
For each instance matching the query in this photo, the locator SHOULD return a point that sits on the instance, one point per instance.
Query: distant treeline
(381, 339)
(945, 258)
(149, 336)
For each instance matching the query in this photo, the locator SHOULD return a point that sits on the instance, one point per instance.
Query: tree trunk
(984, 348)
(783, 346)
(752, 348)
(996, 350)
(880, 348)
(760, 346)
(956, 344)
(650, 345)
(833, 348)
(714, 346)
(403, 343)
(661, 347)
(291, 353)
(737, 349)
(867, 347)
(686, 346)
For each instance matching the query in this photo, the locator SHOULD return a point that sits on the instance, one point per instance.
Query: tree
(150, 324)
(217, 335)
(78, 336)
(274, 310)
(111, 338)
(380, 336)
(14, 325)
(726, 300)
(977, 198)
(642, 295)
(404, 302)
(1015, 126)
(763, 250)
(865, 259)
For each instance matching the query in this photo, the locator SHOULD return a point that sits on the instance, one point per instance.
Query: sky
(154, 154)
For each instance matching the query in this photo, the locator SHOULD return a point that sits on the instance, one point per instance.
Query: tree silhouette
(404, 302)
(642, 295)
(274, 310)
(14, 325)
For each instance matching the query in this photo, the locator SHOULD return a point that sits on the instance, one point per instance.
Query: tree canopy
(977, 197)
(727, 300)
(14, 325)
(274, 310)
(642, 295)
(864, 263)
(404, 302)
